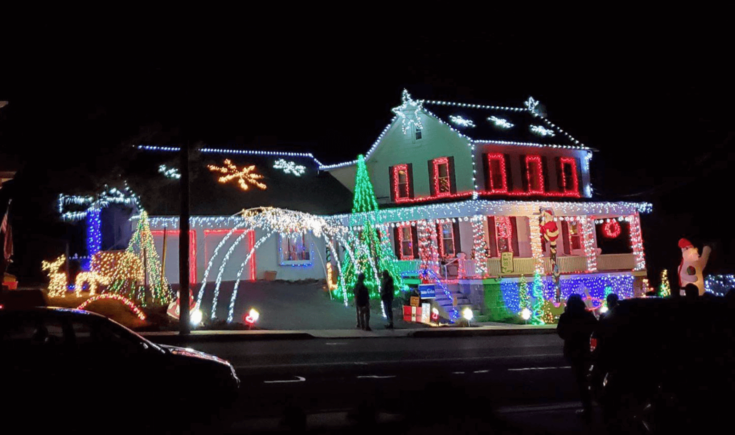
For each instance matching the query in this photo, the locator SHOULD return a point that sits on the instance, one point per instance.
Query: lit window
(504, 234)
(446, 240)
(405, 242)
(497, 178)
(535, 174)
(401, 183)
(569, 181)
(295, 249)
(442, 181)
(574, 239)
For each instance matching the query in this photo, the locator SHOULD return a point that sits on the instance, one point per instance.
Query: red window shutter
(491, 236)
(392, 182)
(565, 237)
(397, 243)
(514, 241)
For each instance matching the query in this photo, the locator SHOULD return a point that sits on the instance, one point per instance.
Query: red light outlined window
(569, 180)
(497, 175)
(535, 174)
(447, 247)
(401, 183)
(442, 178)
(192, 249)
(575, 240)
(252, 264)
(405, 242)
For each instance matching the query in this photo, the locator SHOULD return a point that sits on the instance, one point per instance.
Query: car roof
(54, 311)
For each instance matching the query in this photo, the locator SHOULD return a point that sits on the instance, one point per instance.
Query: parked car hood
(191, 353)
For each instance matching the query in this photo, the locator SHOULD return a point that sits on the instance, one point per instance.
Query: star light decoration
(531, 105)
(409, 112)
(244, 176)
(290, 167)
(542, 131)
(461, 121)
(500, 122)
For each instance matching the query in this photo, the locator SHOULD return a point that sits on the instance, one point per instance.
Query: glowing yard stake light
(252, 317)
(526, 314)
(195, 317)
(467, 314)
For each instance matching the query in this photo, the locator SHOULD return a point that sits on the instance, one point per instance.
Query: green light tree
(129, 276)
(523, 297)
(370, 246)
(665, 289)
(537, 315)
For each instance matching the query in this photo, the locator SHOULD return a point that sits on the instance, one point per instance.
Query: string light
(230, 151)
(665, 289)
(127, 302)
(92, 279)
(231, 313)
(636, 241)
(290, 167)
(503, 187)
(500, 122)
(531, 105)
(572, 163)
(104, 199)
(537, 163)
(479, 246)
(244, 176)
(542, 131)
(57, 280)
(408, 112)
(399, 194)
(94, 233)
(719, 284)
(588, 241)
(169, 172)
(461, 121)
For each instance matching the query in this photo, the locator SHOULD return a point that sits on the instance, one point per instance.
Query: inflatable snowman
(692, 265)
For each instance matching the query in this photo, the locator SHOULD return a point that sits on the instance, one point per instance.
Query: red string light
(397, 194)
(224, 232)
(536, 162)
(400, 243)
(192, 249)
(116, 297)
(500, 158)
(504, 230)
(437, 163)
(575, 182)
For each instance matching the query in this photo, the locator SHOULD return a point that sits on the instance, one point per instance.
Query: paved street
(411, 382)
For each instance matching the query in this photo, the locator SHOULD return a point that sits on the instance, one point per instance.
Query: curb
(175, 338)
(471, 332)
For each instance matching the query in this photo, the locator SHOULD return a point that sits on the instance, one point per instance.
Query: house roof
(313, 191)
(525, 125)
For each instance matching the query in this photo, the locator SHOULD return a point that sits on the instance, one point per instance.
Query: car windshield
(131, 335)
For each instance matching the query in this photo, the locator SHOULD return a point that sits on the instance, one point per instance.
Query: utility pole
(184, 325)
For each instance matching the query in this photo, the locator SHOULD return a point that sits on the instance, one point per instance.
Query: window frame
(308, 248)
(570, 161)
(437, 163)
(508, 239)
(401, 241)
(538, 163)
(499, 157)
(396, 183)
(442, 244)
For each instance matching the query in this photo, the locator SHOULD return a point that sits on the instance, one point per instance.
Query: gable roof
(313, 191)
(486, 131)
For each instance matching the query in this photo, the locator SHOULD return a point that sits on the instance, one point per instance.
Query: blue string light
(94, 235)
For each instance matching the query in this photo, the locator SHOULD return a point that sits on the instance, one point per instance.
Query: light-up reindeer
(91, 279)
(58, 280)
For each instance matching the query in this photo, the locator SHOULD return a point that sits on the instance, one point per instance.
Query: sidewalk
(485, 329)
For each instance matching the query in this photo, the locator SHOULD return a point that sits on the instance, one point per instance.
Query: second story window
(534, 169)
(497, 175)
(400, 178)
(441, 174)
(418, 133)
(569, 182)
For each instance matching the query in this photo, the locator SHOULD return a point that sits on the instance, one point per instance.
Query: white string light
(542, 131)
(500, 122)
(461, 121)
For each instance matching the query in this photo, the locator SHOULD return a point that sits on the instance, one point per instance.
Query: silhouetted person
(612, 301)
(576, 326)
(386, 296)
(362, 300)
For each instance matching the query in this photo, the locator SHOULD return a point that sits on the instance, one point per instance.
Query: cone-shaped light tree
(370, 244)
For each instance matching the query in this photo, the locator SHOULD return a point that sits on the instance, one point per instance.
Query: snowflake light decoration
(409, 112)
(290, 167)
(542, 131)
(244, 175)
(531, 105)
(461, 121)
(169, 172)
(500, 122)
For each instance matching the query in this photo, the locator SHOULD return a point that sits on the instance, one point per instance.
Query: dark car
(666, 364)
(77, 366)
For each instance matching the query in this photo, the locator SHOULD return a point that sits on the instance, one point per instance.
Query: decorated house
(488, 199)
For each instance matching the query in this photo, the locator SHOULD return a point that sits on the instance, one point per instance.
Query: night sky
(653, 93)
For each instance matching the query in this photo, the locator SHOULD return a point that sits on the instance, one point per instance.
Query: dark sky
(651, 90)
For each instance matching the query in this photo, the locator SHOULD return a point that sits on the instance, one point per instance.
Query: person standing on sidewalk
(387, 290)
(575, 327)
(362, 301)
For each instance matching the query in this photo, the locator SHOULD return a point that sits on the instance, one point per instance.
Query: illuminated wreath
(611, 229)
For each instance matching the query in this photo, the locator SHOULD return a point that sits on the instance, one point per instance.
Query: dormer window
(418, 133)
(497, 175)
